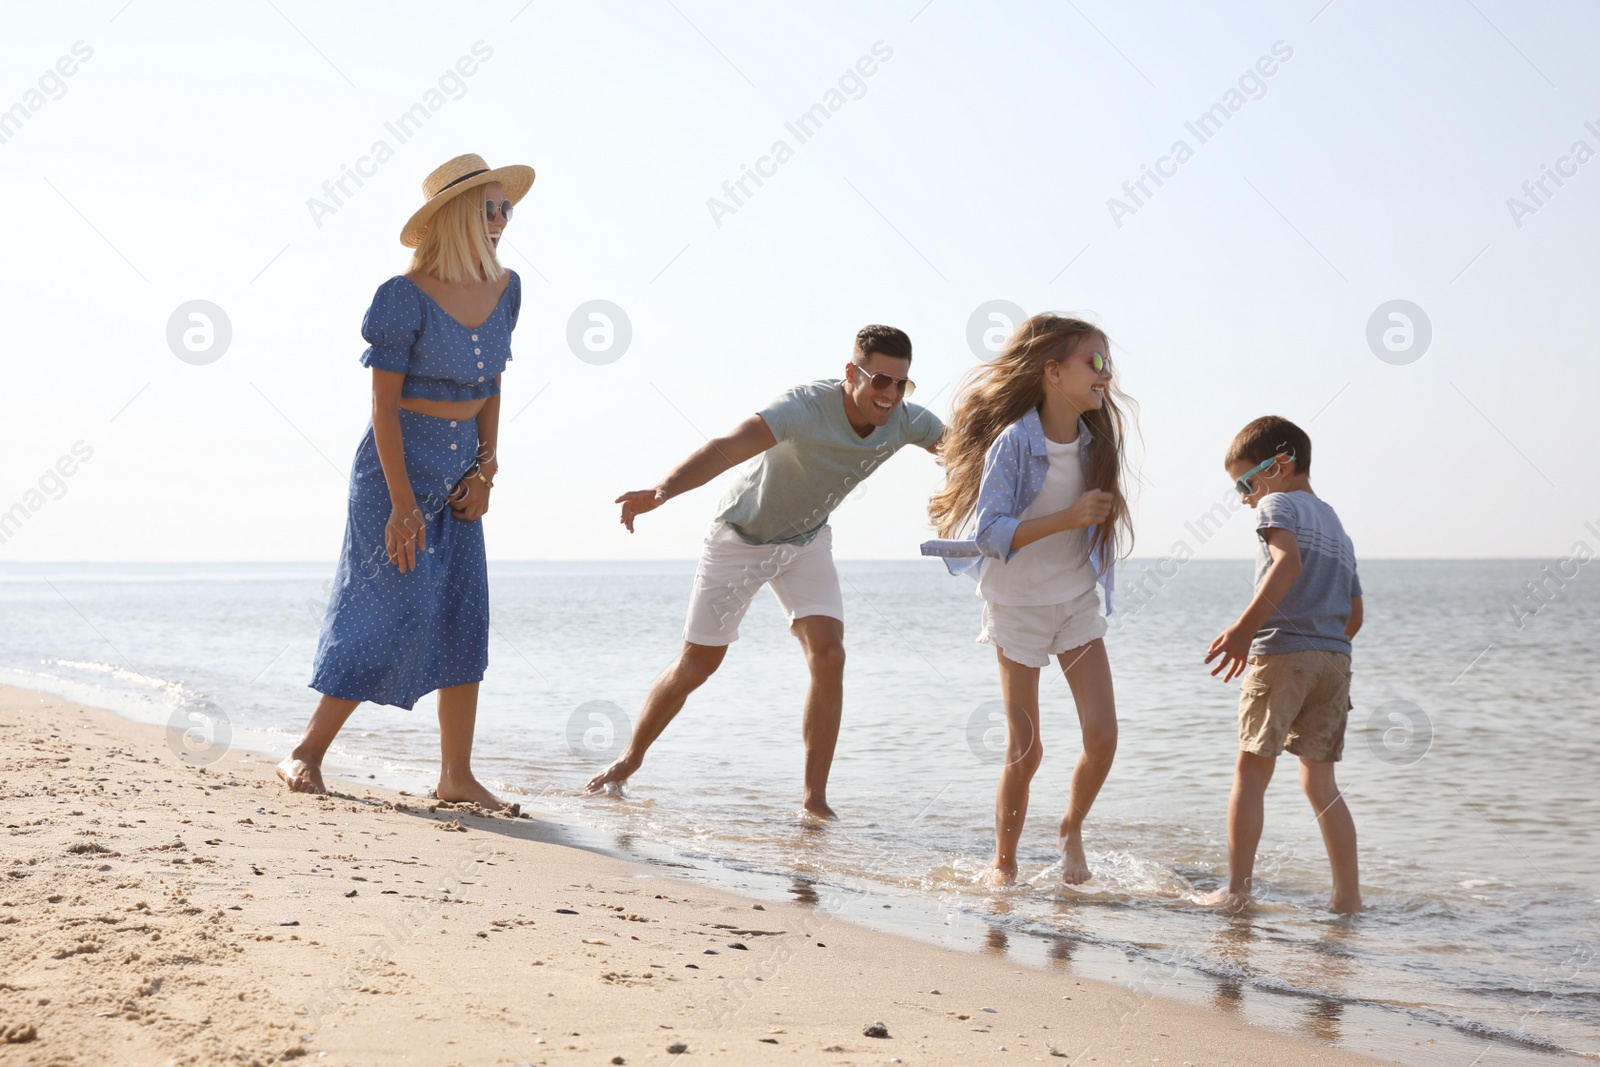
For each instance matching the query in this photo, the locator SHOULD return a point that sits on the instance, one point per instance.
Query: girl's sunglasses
(491, 209)
(1098, 362)
(881, 382)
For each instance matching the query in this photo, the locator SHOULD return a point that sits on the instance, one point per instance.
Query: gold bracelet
(482, 479)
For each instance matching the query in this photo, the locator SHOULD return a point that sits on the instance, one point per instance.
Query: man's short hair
(1268, 436)
(885, 339)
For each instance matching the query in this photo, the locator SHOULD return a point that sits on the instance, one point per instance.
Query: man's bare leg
(1088, 674)
(458, 718)
(301, 771)
(822, 638)
(689, 672)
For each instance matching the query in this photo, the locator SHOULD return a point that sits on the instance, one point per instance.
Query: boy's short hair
(1265, 438)
(886, 339)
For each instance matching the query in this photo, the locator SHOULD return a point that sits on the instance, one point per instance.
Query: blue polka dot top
(441, 359)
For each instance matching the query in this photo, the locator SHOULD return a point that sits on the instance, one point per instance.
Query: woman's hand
(405, 535)
(1090, 510)
(469, 499)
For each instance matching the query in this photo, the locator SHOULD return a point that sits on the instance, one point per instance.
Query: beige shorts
(1031, 635)
(1295, 701)
(732, 571)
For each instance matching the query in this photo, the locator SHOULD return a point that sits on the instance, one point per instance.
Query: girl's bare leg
(1088, 674)
(458, 717)
(1019, 688)
(301, 771)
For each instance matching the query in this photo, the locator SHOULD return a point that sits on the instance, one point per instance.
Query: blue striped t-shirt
(1315, 611)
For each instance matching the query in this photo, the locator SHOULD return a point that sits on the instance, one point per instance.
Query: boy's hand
(1233, 645)
(1090, 510)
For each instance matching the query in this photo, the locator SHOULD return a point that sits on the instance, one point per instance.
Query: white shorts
(1031, 635)
(732, 572)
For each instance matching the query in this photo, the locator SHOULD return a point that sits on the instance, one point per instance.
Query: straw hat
(462, 173)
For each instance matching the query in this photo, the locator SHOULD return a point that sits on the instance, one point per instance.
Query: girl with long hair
(1033, 460)
(409, 612)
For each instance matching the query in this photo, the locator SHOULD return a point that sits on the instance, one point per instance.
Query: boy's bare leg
(822, 637)
(301, 770)
(1245, 813)
(1088, 674)
(1019, 688)
(688, 672)
(1338, 832)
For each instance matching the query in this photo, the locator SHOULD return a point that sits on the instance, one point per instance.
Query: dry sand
(157, 913)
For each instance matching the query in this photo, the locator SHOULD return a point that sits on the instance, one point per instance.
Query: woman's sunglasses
(491, 209)
(881, 382)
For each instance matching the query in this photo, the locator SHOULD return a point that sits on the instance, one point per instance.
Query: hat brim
(516, 181)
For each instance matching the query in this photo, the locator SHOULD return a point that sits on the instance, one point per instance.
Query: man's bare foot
(468, 791)
(1074, 864)
(611, 779)
(996, 876)
(302, 776)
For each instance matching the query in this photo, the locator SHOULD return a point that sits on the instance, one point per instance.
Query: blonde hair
(456, 246)
(997, 394)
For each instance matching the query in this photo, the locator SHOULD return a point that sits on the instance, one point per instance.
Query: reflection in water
(804, 891)
(1322, 1019)
(995, 942)
(1059, 951)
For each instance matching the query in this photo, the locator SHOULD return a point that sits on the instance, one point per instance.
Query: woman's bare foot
(996, 876)
(468, 791)
(301, 775)
(611, 779)
(1074, 864)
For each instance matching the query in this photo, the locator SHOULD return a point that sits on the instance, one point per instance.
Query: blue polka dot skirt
(390, 637)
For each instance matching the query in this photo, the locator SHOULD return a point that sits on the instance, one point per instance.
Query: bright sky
(1357, 153)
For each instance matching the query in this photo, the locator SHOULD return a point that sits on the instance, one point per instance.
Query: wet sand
(156, 912)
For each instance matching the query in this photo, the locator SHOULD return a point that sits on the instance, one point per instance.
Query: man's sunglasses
(1242, 483)
(491, 209)
(881, 382)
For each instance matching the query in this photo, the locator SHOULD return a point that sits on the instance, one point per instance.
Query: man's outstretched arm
(750, 438)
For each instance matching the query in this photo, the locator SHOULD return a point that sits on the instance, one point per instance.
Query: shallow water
(1469, 769)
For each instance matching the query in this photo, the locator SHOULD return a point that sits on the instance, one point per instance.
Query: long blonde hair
(456, 246)
(997, 394)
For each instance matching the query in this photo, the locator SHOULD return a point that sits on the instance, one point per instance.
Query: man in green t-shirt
(806, 451)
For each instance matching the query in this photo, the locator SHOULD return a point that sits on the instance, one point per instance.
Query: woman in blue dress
(409, 611)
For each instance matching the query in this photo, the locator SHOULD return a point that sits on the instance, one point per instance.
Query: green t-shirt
(785, 495)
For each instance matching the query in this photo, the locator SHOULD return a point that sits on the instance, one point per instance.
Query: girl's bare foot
(996, 876)
(820, 809)
(468, 790)
(302, 776)
(1074, 864)
(1341, 906)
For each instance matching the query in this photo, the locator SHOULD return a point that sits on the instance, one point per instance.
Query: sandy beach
(159, 913)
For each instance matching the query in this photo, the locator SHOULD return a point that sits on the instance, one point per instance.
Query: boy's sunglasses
(491, 209)
(880, 382)
(1242, 483)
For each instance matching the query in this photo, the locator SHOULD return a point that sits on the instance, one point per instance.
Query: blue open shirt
(1013, 474)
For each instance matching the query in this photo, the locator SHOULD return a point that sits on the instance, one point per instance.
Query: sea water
(1469, 769)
